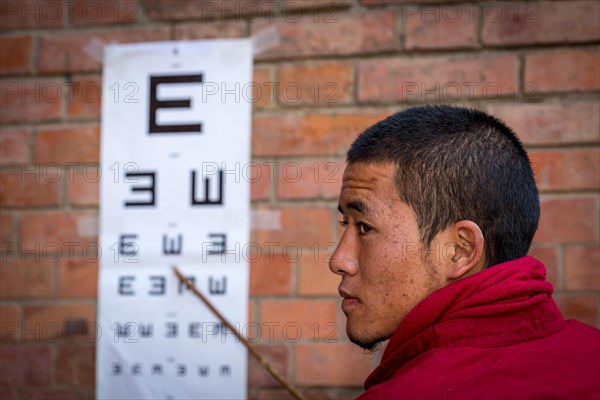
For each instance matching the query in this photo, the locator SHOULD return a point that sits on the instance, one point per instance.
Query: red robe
(494, 335)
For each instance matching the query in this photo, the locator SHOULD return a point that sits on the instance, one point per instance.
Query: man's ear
(467, 256)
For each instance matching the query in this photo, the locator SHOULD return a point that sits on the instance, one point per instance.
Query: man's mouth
(349, 301)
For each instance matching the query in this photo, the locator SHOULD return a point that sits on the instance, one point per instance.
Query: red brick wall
(340, 66)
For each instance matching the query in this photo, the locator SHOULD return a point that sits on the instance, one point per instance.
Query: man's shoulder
(580, 328)
(578, 342)
(563, 365)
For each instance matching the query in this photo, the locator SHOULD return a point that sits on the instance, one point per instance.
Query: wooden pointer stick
(282, 381)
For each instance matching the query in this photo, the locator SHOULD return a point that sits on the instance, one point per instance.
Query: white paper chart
(176, 123)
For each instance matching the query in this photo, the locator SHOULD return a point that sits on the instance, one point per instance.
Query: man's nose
(344, 258)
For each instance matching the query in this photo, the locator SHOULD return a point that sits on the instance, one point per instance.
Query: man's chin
(371, 346)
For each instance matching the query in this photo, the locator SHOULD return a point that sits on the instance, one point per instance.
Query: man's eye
(363, 228)
(343, 223)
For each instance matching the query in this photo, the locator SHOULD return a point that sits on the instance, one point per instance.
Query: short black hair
(456, 163)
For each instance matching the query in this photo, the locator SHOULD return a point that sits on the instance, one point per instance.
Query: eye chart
(176, 120)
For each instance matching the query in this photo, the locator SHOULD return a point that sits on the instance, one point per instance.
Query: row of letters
(173, 245)
(180, 370)
(129, 332)
(126, 285)
(149, 199)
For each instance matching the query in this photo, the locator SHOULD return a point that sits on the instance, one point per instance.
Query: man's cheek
(409, 251)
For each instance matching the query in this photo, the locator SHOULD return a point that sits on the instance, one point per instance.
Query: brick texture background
(340, 66)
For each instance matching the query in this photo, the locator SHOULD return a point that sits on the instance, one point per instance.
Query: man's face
(379, 255)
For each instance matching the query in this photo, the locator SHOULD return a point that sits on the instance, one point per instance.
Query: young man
(440, 207)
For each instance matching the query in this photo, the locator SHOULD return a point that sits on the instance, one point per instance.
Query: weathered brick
(158, 10)
(581, 307)
(441, 26)
(11, 282)
(32, 14)
(27, 276)
(573, 169)
(349, 394)
(341, 34)
(288, 7)
(270, 274)
(312, 134)
(565, 220)
(84, 185)
(264, 93)
(57, 394)
(293, 320)
(9, 323)
(85, 98)
(581, 267)
(61, 233)
(23, 100)
(8, 394)
(78, 277)
(548, 254)
(275, 394)
(30, 187)
(75, 365)
(554, 123)
(276, 355)
(332, 364)
(438, 78)
(315, 83)
(310, 179)
(314, 276)
(70, 52)
(51, 322)
(307, 393)
(373, 3)
(541, 22)
(298, 227)
(24, 366)
(251, 311)
(237, 10)
(8, 235)
(15, 56)
(14, 146)
(563, 70)
(69, 144)
(410, 6)
(210, 30)
(261, 176)
(93, 12)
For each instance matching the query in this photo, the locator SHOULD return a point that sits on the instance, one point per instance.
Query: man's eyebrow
(357, 205)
